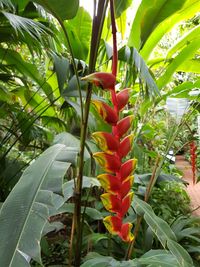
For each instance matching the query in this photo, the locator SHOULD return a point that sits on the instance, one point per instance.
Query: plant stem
(71, 242)
(151, 182)
(135, 233)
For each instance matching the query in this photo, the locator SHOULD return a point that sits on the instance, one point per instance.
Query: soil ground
(192, 190)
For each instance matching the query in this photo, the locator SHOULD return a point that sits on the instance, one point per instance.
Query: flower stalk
(115, 146)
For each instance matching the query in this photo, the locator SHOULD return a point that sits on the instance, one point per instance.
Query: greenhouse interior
(100, 133)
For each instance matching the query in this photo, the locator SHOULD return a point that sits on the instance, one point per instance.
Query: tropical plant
(46, 51)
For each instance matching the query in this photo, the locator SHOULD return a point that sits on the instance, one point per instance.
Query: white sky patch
(131, 11)
(88, 5)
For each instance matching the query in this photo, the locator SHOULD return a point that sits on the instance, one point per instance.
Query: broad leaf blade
(159, 257)
(13, 58)
(163, 232)
(121, 6)
(184, 41)
(26, 210)
(79, 31)
(131, 56)
(158, 226)
(148, 16)
(186, 53)
(64, 9)
(188, 11)
(180, 253)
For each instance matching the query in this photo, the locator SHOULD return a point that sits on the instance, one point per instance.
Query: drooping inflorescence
(193, 157)
(118, 177)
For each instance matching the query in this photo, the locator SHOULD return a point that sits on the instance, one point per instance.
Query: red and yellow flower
(115, 146)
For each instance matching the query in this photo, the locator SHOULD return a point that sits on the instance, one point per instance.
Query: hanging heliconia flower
(193, 157)
(117, 179)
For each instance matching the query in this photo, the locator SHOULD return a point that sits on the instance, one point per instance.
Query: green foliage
(148, 17)
(13, 59)
(65, 9)
(121, 6)
(152, 258)
(132, 57)
(187, 11)
(179, 203)
(79, 29)
(185, 54)
(163, 232)
(27, 210)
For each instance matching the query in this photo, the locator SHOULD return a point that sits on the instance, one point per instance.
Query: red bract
(117, 182)
(110, 183)
(109, 162)
(124, 125)
(122, 98)
(107, 113)
(125, 145)
(106, 141)
(102, 79)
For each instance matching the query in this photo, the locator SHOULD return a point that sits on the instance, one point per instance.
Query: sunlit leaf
(148, 16)
(186, 53)
(188, 10)
(79, 31)
(65, 9)
(121, 6)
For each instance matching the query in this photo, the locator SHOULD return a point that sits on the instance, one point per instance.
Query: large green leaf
(70, 141)
(20, 3)
(163, 232)
(191, 65)
(79, 31)
(97, 260)
(68, 187)
(121, 6)
(26, 210)
(161, 258)
(186, 53)
(189, 9)
(181, 89)
(152, 258)
(148, 16)
(64, 9)
(131, 56)
(180, 253)
(14, 60)
(157, 225)
(61, 65)
(184, 41)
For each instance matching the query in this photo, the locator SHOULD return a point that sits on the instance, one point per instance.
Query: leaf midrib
(31, 206)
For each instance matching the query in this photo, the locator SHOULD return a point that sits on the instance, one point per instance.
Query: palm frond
(6, 4)
(24, 25)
